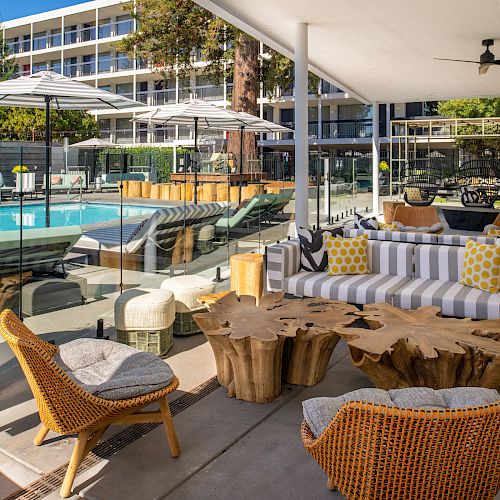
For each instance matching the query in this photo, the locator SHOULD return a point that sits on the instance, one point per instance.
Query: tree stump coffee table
(248, 341)
(419, 348)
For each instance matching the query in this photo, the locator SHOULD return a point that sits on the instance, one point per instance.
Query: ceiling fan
(486, 59)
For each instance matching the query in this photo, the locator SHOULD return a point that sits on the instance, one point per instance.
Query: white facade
(77, 41)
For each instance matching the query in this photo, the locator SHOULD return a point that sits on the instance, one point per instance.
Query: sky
(10, 9)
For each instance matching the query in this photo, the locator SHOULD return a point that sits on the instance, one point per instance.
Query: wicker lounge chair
(66, 408)
(479, 182)
(422, 178)
(417, 216)
(372, 451)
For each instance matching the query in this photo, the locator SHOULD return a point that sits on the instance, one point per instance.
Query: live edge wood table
(419, 348)
(248, 341)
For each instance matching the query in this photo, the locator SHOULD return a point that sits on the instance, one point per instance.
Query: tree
(8, 65)
(25, 124)
(171, 31)
(474, 108)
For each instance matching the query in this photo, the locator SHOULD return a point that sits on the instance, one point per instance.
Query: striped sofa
(391, 264)
(405, 274)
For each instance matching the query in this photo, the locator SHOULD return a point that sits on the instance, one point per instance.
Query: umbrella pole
(21, 194)
(47, 161)
(241, 162)
(121, 228)
(195, 195)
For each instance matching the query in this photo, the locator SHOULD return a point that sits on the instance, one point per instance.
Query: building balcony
(118, 28)
(47, 41)
(79, 35)
(156, 97)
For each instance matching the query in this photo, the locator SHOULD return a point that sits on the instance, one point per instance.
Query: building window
(107, 88)
(287, 116)
(125, 89)
(124, 25)
(414, 109)
(88, 65)
(70, 67)
(104, 63)
(39, 41)
(55, 66)
(105, 28)
(355, 112)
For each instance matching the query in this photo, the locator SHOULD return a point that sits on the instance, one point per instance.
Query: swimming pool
(67, 214)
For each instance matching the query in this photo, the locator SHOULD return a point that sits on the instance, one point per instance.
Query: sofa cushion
(481, 267)
(435, 228)
(346, 255)
(453, 298)
(392, 236)
(319, 412)
(313, 255)
(461, 240)
(493, 232)
(355, 289)
(112, 371)
(439, 262)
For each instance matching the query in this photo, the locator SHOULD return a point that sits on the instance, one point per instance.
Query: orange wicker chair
(372, 451)
(66, 408)
(416, 216)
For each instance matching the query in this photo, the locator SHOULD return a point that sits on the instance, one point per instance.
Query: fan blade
(483, 68)
(455, 60)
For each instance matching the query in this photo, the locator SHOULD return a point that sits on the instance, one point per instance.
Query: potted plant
(25, 181)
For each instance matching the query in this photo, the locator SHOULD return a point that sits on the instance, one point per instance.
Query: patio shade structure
(345, 43)
(47, 89)
(201, 114)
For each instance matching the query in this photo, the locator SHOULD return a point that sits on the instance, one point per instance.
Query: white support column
(301, 125)
(375, 157)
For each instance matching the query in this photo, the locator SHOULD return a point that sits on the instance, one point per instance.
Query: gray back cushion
(319, 412)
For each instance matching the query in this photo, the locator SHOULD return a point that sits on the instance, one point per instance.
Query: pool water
(67, 214)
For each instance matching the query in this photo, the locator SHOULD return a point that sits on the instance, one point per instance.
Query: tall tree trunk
(245, 90)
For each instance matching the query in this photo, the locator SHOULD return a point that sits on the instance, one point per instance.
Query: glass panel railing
(118, 28)
(79, 35)
(156, 97)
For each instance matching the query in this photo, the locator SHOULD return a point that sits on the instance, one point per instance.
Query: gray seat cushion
(319, 412)
(112, 371)
(435, 228)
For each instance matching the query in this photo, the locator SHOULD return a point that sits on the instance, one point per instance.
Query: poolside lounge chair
(65, 182)
(256, 208)
(110, 181)
(43, 248)
(149, 244)
(4, 189)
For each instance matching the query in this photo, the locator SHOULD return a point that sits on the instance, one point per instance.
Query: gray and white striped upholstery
(283, 260)
(439, 262)
(453, 298)
(438, 269)
(461, 240)
(392, 236)
(356, 289)
(390, 257)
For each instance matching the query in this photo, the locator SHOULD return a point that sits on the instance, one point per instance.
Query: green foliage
(8, 65)
(171, 31)
(24, 124)
(160, 159)
(474, 108)
(20, 168)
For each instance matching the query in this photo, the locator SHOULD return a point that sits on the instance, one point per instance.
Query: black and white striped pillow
(313, 255)
(361, 222)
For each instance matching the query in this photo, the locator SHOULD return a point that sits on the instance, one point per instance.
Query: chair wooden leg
(168, 422)
(76, 459)
(331, 485)
(40, 436)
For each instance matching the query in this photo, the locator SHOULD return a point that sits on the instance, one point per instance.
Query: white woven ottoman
(186, 290)
(144, 319)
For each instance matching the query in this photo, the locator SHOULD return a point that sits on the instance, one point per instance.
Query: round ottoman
(186, 290)
(144, 319)
(205, 240)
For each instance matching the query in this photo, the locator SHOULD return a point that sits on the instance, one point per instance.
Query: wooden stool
(247, 271)
(165, 191)
(134, 189)
(146, 189)
(234, 194)
(222, 192)
(155, 192)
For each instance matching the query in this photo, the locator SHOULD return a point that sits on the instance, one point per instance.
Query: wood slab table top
(404, 348)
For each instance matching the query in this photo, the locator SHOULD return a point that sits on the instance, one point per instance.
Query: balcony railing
(156, 97)
(117, 28)
(124, 135)
(108, 64)
(74, 70)
(328, 88)
(47, 41)
(19, 47)
(79, 35)
(209, 93)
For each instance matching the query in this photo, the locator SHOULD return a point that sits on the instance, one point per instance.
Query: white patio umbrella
(205, 115)
(45, 89)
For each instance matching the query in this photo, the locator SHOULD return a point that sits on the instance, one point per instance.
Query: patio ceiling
(381, 51)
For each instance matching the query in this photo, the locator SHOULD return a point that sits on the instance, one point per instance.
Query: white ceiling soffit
(381, 50)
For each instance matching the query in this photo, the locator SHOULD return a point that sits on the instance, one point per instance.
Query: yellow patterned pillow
(493, 233)
(387, 227)
(346, 255)
(413, 194)
(481, 266)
